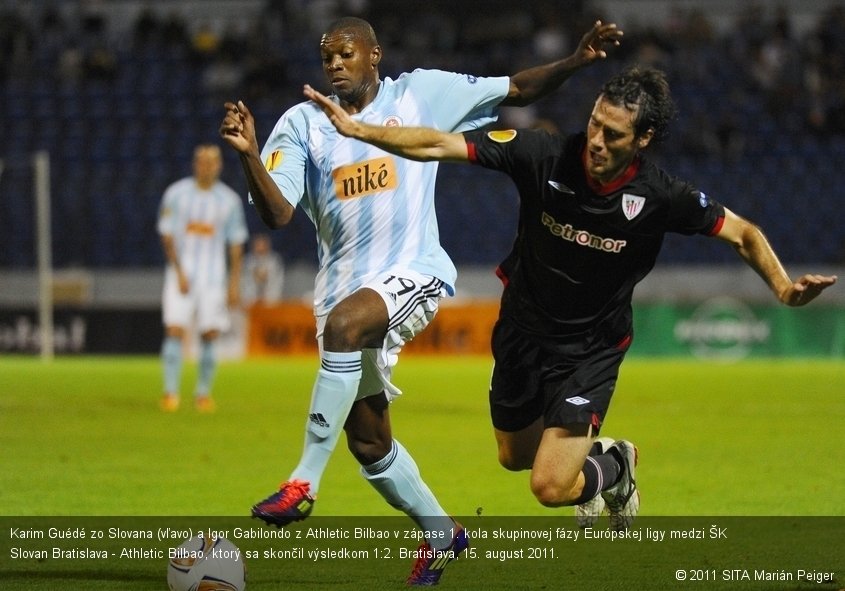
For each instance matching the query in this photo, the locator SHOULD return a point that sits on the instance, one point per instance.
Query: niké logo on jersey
(365, 178)
(200, 228)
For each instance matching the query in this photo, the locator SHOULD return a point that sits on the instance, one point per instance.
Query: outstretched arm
(532, 84)
(752, 245)
(238, 129)
(416, 143)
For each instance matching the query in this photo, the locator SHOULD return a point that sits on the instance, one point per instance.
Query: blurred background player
(382, 268)
(201, 222)
(593, 215)
(263, 273)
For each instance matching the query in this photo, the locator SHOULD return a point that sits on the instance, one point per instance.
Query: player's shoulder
(659, 177)
(661, 185)
(180, 186)
(305, 109)
(432, 76)
(299, 116)
(226, 191)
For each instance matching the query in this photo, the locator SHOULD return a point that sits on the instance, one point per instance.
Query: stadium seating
(116, 143)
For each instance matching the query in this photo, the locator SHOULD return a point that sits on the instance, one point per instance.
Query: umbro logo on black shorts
(577, 400)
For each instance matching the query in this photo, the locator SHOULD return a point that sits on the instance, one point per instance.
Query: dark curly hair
(646, 91)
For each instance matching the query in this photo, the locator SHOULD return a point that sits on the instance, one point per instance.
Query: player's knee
(175, 332)
(367, 450)
(513, 461)
(550, 492)
(342, 333)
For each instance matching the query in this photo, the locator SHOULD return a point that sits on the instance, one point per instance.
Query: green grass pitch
(85, 437)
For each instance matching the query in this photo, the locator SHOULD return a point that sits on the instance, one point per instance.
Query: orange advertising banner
(280, 329)
(289, 328)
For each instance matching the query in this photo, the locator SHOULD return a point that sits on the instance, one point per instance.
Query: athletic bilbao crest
(632, 205)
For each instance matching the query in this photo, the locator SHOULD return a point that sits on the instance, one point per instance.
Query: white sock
(171, 354)
(207, 365)
(334, 392)
(397, 478)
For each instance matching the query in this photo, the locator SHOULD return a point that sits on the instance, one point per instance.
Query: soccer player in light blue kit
(382, 270)
(201, 223)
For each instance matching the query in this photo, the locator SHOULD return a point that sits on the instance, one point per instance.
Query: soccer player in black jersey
(593, 214)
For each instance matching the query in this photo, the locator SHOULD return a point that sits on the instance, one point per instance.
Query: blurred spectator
(265, 76)
(100, 63)
(205, 41)
(147, 29)
(264, 272)
(69, 62)
(774, 69)
(53, 33)
(174, 32)
(551, 39)
(17, 41)
(824, 74)
(222, 77)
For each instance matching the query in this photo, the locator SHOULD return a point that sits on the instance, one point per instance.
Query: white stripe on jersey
(202, 224)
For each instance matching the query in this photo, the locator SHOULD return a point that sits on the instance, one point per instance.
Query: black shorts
(566, 383)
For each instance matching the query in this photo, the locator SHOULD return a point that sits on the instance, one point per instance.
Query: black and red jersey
(581, 248)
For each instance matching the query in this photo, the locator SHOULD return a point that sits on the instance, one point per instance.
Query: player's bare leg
(354, 323)
(517, 449)
(568, 468)
(391, 470)
(369, 435)
(557, 478)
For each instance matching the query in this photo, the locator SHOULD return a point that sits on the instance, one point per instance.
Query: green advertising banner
(730, 329)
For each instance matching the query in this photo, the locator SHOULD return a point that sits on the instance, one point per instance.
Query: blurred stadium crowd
(120, 107)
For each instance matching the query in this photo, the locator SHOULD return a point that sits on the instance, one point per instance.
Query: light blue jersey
(373, 211)
(202, 223)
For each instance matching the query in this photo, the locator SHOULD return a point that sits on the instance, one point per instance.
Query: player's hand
(233, 298)
(806, 289)
(238, 127)
(344, 124)
(593, 43)
(184, 284)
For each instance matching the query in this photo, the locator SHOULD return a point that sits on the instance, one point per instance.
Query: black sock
(600, 473)
(614, 454)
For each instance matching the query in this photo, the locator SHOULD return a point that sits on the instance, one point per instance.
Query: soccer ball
(206, 563)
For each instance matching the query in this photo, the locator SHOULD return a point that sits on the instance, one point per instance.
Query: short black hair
(644, 90)
(358, 27)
